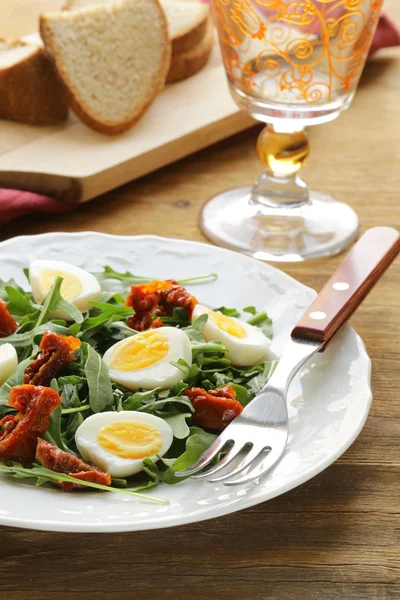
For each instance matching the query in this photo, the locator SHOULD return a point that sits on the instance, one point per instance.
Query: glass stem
(283, 153)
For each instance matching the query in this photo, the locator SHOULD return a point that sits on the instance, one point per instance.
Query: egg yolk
(130, 439)
(227, 324)
(140, 351)
(71, 287)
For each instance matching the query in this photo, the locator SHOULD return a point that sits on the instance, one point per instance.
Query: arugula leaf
(263, 321)
(139, 399)
(130, 279)
(69, 434)
(196, 444)
(109, 312)
(45, 475)
(53, 433)
(257, 383)
(26, 339)
(179, 318)
(113, 309)
(100, 389)
(199, 323)
(127, 277)
(242, 394)
(20, 303)
(54, 301)
(155, 475)
(178, 424)
(17, 378)
(71, 380)
(228, 312)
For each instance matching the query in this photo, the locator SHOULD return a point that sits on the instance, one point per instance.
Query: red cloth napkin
(14, 203)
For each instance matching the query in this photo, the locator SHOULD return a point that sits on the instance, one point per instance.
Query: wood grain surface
(337, 537)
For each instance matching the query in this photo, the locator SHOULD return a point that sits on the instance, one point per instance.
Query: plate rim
(216, 512)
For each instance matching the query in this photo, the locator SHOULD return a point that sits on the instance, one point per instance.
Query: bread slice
(29, 88)
(112, 59)
(187, 21)
(186, 64)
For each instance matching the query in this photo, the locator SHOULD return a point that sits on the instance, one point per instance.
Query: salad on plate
(115, 381)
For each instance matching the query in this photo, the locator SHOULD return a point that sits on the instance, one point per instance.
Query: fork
(263, 425)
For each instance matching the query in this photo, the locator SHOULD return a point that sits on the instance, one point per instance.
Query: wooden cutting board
(74, 164)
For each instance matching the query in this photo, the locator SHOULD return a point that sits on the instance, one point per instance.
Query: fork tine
(204, 459)
(267, 464)
(228, 458)
(246, 462)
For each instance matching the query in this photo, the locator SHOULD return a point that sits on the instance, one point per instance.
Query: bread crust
(78, 106)
(186, 64)
(30, 91)
(191, 38)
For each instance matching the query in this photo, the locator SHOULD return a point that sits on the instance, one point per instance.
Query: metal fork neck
(295, 354)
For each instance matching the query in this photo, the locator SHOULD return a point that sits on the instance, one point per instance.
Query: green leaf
(179, 318)
(100, 389)
(74, 422)
(139, 399)
(263, 321)
(45, 475)
(257, 383)
(207, 347)
(242, 394)
(10, 283)
(155, 475)
(199, 323)
(50, 302)
(73, 313)
(26, 339)
(178, 424)
(69, 396)
(53, 433)
(228, 312)
(71, 380)
(54, 385)
(250, 309)
(127, 277)
(54, 301)
(196, 444)
(75, 409)
(109, 313)
(17, 378)
(19, 302)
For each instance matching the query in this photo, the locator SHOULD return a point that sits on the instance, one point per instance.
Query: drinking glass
(289, 64)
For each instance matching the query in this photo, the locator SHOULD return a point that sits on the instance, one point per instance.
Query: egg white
(86, 438)
(243, 352)
(90, 286)
(8, 361)
(161, 373)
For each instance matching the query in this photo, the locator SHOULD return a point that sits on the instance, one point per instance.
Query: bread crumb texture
(112, 58)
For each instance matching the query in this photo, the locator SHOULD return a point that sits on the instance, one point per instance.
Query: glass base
(321, 227)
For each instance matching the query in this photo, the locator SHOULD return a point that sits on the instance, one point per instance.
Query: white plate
(327, 410)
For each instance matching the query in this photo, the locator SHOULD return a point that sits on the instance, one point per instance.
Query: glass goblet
(289, 64)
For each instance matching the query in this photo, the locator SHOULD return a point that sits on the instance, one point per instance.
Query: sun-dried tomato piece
(7, 323)
(59, 461)
(56, 352)
(214, 409)
(157, 299)
(19, 433)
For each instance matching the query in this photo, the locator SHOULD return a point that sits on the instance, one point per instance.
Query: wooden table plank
(335, 537)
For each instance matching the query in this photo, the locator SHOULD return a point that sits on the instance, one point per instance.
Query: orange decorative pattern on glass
(295, 51)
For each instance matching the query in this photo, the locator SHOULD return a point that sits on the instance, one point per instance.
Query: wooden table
(335, 537)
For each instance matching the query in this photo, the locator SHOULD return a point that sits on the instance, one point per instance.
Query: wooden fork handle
(349, 285)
